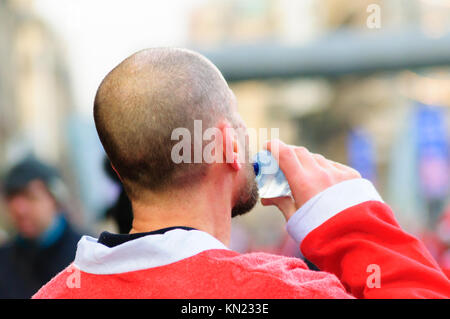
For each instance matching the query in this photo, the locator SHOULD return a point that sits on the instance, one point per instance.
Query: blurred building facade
(35, 95)
(35, 90)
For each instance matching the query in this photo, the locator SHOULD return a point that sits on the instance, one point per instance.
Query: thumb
(286, 204)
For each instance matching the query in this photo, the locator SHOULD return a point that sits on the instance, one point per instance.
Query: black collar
(112, 240)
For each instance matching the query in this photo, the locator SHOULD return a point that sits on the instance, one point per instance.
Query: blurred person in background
(45, 242)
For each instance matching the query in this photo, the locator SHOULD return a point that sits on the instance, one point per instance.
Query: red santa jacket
(347, 231)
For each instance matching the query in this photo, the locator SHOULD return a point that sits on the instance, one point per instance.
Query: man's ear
(230, 146)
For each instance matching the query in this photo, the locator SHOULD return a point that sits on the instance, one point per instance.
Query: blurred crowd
(44, 240)
(43, 237)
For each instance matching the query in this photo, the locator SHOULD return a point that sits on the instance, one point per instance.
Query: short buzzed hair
(142, 100)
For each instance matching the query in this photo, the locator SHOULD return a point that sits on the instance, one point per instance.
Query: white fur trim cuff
(328, 203)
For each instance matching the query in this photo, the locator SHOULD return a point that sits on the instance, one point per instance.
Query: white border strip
(142, 253)
(328, 203)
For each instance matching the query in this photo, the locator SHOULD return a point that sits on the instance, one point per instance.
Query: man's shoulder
(284, 276)
(255, 260)
(58, 286)
(219, 272)
(277, 267)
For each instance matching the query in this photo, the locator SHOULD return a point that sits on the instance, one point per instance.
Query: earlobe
(230, 147)
(236, 165)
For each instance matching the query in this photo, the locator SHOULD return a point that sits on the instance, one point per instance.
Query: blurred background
(365, 83)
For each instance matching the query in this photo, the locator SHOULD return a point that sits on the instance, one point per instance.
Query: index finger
(289, 165)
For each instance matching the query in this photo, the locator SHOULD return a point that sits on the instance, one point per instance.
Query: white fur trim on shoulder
(328, 203)
(142, 253)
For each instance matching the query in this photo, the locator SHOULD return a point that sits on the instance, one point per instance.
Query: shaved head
(141, 101)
